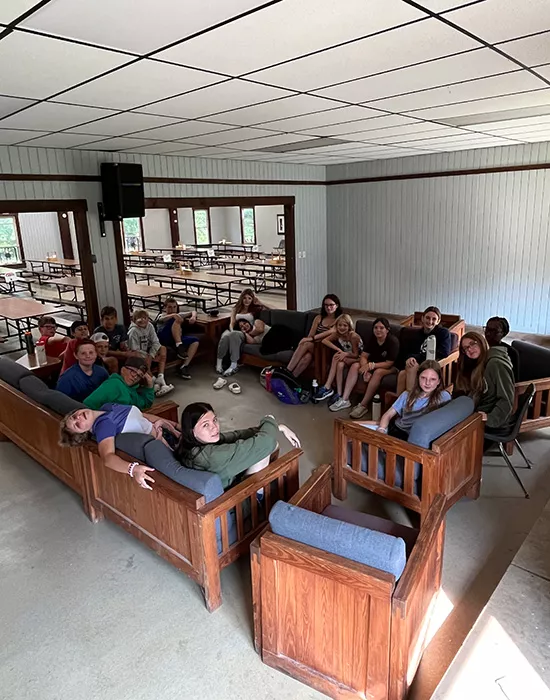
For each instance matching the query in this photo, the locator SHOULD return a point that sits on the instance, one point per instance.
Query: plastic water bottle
(268, 376)
(430, 347)
(376, 408)
(314, 388)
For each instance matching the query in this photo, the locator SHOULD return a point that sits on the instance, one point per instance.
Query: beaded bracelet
(131, 468)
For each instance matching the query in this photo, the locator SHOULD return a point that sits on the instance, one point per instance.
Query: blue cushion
(157, 455)
(12, 373)
(375, 549)
(431, 426)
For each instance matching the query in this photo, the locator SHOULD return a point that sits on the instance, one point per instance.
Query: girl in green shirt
(203, 446)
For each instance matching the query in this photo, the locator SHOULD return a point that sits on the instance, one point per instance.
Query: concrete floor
(88, 612)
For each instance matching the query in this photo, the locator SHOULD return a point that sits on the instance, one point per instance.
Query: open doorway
(209, 249)
(45, 262)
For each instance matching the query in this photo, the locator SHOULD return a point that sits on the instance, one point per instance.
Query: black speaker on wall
(123, 194)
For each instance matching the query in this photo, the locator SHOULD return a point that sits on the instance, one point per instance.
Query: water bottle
(376, 408)
(29, 343)
(314, 389)
(268, 375)
(430, 347)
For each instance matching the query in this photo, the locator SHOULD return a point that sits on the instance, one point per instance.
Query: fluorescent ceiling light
(488, 117)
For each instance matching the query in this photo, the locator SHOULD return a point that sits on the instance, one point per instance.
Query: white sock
(218, 365)
(233, 365)
(160, 378)
(178, 344)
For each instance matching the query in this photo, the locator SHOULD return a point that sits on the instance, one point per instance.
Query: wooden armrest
(420, 554)
(448, 439)
(383, 441)
(540, 385)
(250, 485)
(409, 321)
(453, 357)
(165, 409)
(313, 487)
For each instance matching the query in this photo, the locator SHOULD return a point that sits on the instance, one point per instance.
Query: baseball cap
(136, 363)
(99, 338)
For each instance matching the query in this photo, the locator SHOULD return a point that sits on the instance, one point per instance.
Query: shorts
(166, 338)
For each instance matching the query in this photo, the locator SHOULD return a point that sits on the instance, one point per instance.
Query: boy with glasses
(132, 387)
(55, 344)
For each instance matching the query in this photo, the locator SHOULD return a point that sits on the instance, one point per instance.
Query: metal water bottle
(430, 347)
(29, 343)
(314, 388)
(376, 408)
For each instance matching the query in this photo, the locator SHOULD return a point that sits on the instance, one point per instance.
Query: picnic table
(148, 293)
(18, 315)
(64, 265)
(11, 281)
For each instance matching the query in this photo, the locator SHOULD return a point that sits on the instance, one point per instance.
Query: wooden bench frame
(451, 321)
(535, 418)
(451, 467)
(179, 525)
(341, 627)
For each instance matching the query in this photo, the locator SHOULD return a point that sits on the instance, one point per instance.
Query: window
(201, 219)
(10, 242)
(248, 225)
(133, 234)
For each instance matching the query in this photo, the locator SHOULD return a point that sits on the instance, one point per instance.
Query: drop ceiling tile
(123, 123)
(444, 5)
(411, 138)
(531, 51)
(360, 125)
(544, 71)
(326, 117)
(228, 95)
(417, 42)
(493, 104)
(138, 84)
(134, 25)
(527, 123)
(52, 116)
(268, 141)
(408, 129)
(183, 130)
(36, 66)
(10, 10)
(287, 30)
(8, 105)
(10, 136)
(204, 152)
(467, 139)
(498, 20)
(452, 69)
(167, 147)
(520, 81)
(535, 138)
(229, 137)
(268, 111)
(116, 144)
(60, 140)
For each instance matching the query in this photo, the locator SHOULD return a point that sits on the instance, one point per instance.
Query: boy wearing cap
(101, 341)
(132, 387)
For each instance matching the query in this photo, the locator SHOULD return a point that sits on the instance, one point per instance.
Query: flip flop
(219, 383)
(234, 388)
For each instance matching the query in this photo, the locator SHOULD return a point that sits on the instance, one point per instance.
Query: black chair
(510, 434)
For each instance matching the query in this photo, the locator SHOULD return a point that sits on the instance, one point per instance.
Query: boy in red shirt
(55, 344)
(79, 330)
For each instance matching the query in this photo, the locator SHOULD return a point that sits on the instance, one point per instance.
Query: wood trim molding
(86, 265)
(65, 234)
(25, 206)
(207, 202)
(174, 226)
(290, 256)
(121, 270)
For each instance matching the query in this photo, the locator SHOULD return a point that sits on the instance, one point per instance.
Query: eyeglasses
(469, 346)
(135, 372)
(50, 327)
(330, 305)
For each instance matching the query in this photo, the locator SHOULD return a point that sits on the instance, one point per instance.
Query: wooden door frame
(79, 207)
(288, 203)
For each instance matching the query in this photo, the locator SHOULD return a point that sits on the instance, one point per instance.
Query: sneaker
(230, 371)
(334, 398)
(181, 352)
(339, 405)
(323, 393)
(184, 372)
(359, 411)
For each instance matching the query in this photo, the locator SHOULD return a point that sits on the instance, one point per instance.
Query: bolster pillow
(375, 549)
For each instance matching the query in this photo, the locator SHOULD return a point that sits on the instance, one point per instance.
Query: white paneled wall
(156, 229)
(40, 235)
(266, 227)
(72, 229)
(310, 212)
(187, 230)
(477, 245)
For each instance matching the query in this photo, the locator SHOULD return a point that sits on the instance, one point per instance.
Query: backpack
(288, 389)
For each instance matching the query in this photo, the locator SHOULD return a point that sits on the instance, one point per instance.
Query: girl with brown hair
(247, 308)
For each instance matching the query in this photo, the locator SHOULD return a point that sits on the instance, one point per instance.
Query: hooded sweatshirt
(115, 390)
(497, 400)
(144, 340)
(236, 451)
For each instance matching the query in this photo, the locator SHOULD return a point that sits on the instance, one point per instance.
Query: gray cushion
(310, 317)
(431, 426)
(34, 388)
(133, 444)
(12, 373)
(534, 361)
(60, 403)
(376, 549)
(283, 356)
(157, 455)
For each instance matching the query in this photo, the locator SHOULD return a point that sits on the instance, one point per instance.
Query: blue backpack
(288, 389)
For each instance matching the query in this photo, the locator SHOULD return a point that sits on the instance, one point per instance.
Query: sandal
(164, 389)
(219, 383)
(234, 388)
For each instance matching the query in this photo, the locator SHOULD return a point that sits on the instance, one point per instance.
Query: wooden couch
(344, 628)
(180, 525)
(453, 322)
(451, 467)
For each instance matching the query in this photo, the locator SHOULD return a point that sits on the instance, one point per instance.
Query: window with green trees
(248, 225)
(201, 219)
(10, 250)
(133, 235)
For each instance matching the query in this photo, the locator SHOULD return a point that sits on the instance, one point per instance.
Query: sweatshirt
(79, 385)
(144, 340)
(497, 400)
(236, 451)
(442, 344)
(115, 390)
